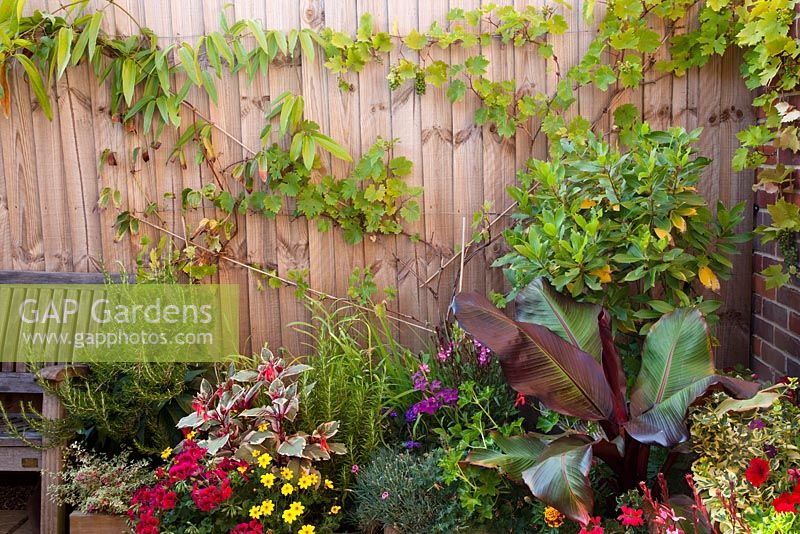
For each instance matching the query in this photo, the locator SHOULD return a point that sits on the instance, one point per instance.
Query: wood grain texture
(292, 232)
(50, 177)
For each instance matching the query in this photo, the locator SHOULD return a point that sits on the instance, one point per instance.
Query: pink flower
(354, 469)
(384, 495)
(592, 527)
(631, 517)
(794, 474)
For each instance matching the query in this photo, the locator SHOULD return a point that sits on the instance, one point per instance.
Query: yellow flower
(289, 516)
(264, 460)
(263, 427)
(268, 480)
(267, 507)
(287, 489)
(297, 508)
(165, 453)
(256, 452)
(553, 518)
(287, 473)
(328, 483)
(306, 529)
(242, 469)
(335, 509)
(305, 481)
(255, 512)
(190, 436)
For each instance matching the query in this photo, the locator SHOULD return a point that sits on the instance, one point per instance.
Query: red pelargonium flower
(253, 527)
(787, 502)
(631, 517)
(592, 527)
(520, 400)
(757, 472)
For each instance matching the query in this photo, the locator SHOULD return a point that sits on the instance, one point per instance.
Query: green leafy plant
(404, 491)
(253, 407)
(626, 230)
(348, 382)
(728, 435)
(562, 352)
(94, 483)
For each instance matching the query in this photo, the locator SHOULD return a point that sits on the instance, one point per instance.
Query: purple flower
(355, 469)
(436, 385)
(756, 423)
(385, 495)
(770, 451)
(448, 396)
(424, 369)
(420, 382)
(410, 445)
(428, 405)
(412, 414)
(445, 352)
(393, 413)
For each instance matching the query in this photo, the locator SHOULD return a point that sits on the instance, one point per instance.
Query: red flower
(253, 527)
(631, 517)
(785, 502)
(592, 527)
(520, 400)
(758, 471)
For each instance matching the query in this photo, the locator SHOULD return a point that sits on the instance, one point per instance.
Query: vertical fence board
(406, 119)
(292, 232)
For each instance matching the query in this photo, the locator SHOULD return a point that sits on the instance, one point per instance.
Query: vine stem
(214, 125)
(392, 314)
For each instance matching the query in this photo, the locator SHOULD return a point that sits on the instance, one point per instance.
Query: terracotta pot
(390, 530)
(80, 523)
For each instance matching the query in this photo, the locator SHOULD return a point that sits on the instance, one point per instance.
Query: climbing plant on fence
(373, 198)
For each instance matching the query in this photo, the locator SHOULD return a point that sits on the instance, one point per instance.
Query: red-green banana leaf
(515, 455)
(677, 369)
(677, 352)
(612, 367)
(538, 362)
(664, 424)
(560, 478)
(575, 322)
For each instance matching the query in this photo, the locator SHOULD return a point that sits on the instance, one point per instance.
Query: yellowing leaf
(588, 203)
(708, 278)
(678, 222)
(604, 274)
(661, 233)
(615, 207)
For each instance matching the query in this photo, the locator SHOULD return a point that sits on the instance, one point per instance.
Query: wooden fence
(50, 178)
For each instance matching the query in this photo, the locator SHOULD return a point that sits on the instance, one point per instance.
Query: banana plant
(562, 352)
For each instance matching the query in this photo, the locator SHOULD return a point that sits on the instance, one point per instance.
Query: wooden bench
(17, 382)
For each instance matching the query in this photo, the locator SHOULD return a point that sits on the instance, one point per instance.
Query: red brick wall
(776, 312)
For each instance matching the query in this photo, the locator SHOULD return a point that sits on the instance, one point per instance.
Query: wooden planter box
(80, 523)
